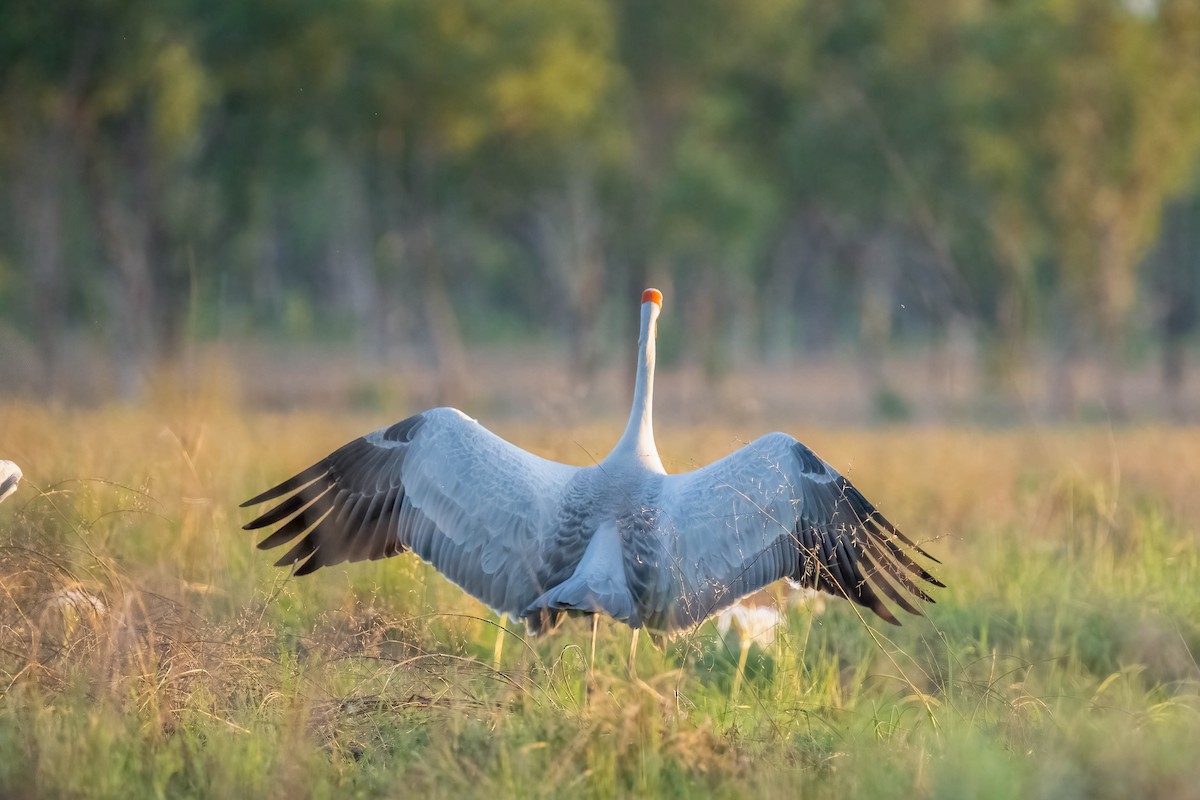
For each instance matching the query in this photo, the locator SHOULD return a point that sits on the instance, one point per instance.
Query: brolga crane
(535, 539)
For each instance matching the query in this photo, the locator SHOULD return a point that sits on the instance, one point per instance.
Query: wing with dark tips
(775, 510)
(477, 508)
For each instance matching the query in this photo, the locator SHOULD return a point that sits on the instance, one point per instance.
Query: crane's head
(651, 306)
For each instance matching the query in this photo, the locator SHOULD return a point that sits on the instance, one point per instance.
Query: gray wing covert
(474, 506)
(775, 510)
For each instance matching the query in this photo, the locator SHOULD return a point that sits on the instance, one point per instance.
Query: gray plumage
(535, 539)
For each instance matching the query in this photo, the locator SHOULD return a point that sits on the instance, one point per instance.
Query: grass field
(147, 649)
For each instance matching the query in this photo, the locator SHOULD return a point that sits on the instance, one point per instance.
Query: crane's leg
(633, 653)
(501, 630)
(741, 668)
(633, 676)
(595, 627)
(591, 674)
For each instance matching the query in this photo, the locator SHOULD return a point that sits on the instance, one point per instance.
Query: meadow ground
(148, 649)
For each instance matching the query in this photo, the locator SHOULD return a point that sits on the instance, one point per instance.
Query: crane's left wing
(477, 508)
(775, 510)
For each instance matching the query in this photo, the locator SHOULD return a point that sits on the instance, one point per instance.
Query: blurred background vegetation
(994, 200)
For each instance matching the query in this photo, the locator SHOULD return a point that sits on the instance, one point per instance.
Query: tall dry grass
(146, 647)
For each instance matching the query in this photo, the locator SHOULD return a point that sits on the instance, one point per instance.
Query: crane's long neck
(637, 443)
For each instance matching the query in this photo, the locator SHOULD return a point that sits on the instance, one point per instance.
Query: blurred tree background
(892, 185)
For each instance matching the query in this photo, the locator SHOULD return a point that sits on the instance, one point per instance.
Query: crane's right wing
(477, 508)
(775, 510)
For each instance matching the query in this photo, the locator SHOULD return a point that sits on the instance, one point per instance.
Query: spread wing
(440, 484)
(775, 510)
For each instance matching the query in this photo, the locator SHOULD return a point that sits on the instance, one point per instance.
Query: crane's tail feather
(587, 594)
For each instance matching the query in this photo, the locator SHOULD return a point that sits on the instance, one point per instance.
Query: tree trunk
(38, 193)
(1063, 402)
(567, 235)
(704, 329)
(1113, 370)
(153, 288)
(818, 300)
(170, 274)
(1179, 294)
(445, 337)
(876, 269)
(353, 291)
(123, 238)
(792, 254)
(1116, 266)
(1173, 374)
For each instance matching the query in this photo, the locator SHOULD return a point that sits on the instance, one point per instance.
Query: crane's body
(535, 539)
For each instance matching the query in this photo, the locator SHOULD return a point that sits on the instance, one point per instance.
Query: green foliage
(230, 162)
(1082, 119)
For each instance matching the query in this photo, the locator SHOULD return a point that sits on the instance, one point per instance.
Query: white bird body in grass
(10, 476)
(534, 539)
(754, 623)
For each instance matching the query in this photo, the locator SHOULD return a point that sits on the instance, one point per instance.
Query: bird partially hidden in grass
(10, 476)
(534, 539)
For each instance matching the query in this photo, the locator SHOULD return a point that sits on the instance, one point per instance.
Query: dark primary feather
(848, 548)
(775, 510)
(347, 482)
(438, 484)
